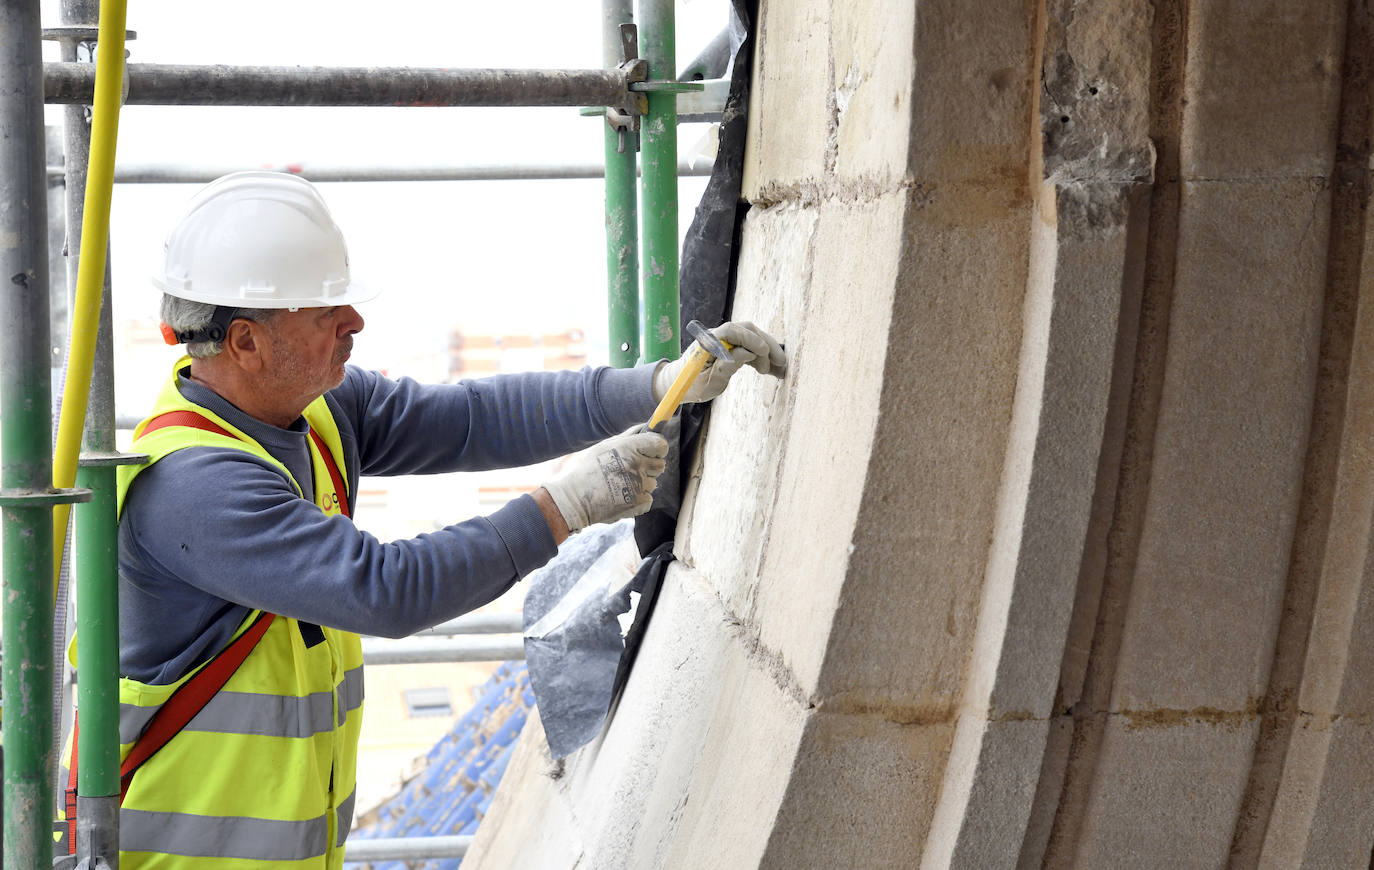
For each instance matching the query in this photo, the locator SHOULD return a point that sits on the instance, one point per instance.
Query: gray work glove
(611, 480)
(750, 345)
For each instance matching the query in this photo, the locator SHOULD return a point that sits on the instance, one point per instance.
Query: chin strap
(215, 331)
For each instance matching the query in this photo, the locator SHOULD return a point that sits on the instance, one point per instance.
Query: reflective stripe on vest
(252, 713)
(247, 839)
(219, 837)
(264, 775)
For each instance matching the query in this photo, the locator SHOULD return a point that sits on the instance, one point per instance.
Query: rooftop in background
(451, 793)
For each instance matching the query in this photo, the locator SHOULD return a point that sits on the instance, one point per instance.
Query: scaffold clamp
(37, 498)
(107, 459)
(625, 118)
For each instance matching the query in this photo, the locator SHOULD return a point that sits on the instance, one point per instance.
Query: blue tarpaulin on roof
(461, 773)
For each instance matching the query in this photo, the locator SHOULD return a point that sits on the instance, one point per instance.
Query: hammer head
(714, 346)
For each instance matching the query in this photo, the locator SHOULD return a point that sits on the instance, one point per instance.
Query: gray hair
(183, 315)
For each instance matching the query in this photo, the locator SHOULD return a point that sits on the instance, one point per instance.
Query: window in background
(428, 702)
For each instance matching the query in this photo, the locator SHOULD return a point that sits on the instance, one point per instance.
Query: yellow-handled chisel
(698, 355)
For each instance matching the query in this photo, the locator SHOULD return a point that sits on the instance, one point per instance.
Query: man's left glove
(749, 345)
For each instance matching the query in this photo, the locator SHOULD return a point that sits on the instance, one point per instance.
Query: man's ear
(243, 345)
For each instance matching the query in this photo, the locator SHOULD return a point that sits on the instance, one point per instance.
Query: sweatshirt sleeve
(504, 421)
(243, 535)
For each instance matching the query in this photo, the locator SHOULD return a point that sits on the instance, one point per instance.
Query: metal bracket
(79, 33)
(625, 118)
(72, 862)
(629, 41)
(97, 459)
(636, 73)
(87, 37)
(666, 87)
(37, 498)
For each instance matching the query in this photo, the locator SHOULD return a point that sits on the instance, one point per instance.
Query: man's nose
(351, 321)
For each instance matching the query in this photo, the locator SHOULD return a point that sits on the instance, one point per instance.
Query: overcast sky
(484, 256)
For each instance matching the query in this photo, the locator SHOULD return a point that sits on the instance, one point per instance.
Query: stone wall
(1052, 550)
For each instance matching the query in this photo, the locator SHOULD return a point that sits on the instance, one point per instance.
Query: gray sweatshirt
(209, 534)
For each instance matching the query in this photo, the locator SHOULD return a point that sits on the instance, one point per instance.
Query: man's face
(306, 350)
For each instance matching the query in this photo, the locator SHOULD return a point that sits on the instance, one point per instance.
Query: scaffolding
(637, 91)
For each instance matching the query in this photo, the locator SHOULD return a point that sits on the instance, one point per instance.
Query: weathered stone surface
(1094, 106)
(723, 531)
(1229, 448)
(1068, 346)
(1340, 653)
(971, 101)
(1049, 790)
(790, 118)
(1262, 86)
(753, 724)
(836, 377)
(1166, 793)
(691, 752)
(873, 68)
(1324, 816)
(1048, 484)
(709, 710)
(1340, 645)
(993, 768)
(854, 776)
(932, 479)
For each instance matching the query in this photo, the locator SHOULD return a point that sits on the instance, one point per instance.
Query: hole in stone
(1063, 119)
(1092, 91)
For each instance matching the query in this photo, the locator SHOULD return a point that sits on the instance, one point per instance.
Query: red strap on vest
(334, 475)
(184, 418)
(174, 714)
(196, 421)
(190, 699)
(71, 788)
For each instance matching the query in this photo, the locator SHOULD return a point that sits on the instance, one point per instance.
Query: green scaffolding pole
(26, 494)
(97, 645)
(622, 212)
(658, 161)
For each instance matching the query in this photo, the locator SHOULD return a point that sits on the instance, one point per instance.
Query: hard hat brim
(352, 294)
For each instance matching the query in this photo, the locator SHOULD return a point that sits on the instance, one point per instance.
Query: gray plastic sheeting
(573, 638)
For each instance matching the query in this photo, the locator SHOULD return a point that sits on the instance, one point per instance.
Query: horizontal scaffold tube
(478, 623)
(407, 848)
(135, 174)
(186, 85)
(421, 650)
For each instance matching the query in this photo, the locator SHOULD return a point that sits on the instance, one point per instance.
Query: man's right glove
(611, 480)
(749, 346)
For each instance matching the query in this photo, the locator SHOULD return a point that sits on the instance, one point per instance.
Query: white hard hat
(259, 240)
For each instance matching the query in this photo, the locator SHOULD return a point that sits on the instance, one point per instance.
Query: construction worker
(244, 583)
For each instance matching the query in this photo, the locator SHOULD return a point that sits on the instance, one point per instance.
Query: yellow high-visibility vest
(264, 776)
